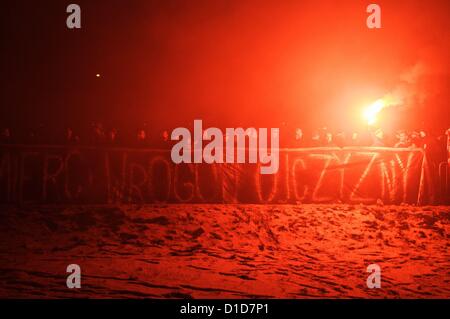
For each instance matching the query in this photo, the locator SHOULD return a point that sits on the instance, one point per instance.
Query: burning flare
(371, 112)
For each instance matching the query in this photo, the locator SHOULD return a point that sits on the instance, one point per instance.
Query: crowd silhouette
(99, 135)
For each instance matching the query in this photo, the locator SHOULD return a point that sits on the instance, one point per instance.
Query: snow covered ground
(225, 251)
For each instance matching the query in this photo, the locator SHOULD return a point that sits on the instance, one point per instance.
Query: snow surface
(225, 251)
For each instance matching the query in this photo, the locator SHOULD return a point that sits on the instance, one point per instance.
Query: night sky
(230, 63)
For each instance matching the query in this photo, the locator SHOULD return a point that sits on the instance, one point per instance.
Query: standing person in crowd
(340, 139)
(141, 138)
(379, 138)
(112, 137)
(352, 139)
(415, 139)
(403, 140)
(165, 139)
(70, 138)
(98, 134)
(5, 136)
(424, 139)
(299, 138)
(315, 139)
(162, 140)
(328, 140)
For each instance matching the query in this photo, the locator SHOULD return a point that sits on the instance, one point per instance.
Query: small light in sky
(97, 75)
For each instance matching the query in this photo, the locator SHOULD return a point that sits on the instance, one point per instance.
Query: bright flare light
(371, 112)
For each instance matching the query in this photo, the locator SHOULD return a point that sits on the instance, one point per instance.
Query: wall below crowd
(92, 175)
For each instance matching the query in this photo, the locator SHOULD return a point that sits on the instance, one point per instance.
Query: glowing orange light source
(97, 75)
(371, 112)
